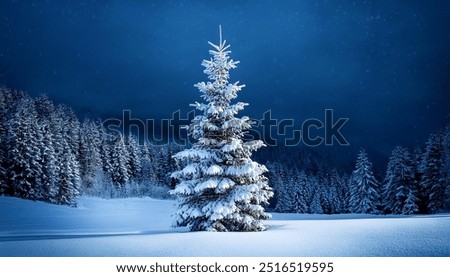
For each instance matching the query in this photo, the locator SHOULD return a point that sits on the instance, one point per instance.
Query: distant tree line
(413, 183)
(47, 154)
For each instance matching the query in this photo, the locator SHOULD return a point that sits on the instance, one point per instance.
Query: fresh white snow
(141, 227)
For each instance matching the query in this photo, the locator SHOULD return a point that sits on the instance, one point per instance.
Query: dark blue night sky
(383, 64)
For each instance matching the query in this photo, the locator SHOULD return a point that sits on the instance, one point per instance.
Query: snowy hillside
(141, 227)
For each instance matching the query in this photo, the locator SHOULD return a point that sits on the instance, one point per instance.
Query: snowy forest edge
(47, 154)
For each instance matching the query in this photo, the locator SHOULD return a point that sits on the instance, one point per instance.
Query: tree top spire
(220, 36)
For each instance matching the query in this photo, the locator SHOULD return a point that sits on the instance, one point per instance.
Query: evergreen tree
(160, 154)
(148, 172)
(90, 156)
(69, 179)
(66, 145)
(324, 192)
(24, 152)
(399, 188)
(447, 166)
(134, 161)
(220, 187)
(275, 176)
(50, 167)
(107, 141)
(300, 193)
(283, 198)
(364, 187)
(310, 191)
(49, 186)
(4, 108)
(433, 182)
(287, 192)
(337, 192)
(344, 193)
(71, 130)
(44, 108)
(316, 201)
(422, 197)
(119, 170)
(163, 163)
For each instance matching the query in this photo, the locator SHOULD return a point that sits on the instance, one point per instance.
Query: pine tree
(277, 180)
(399, 192)
(66, 151)
(69, 180)
(324, 192)
(344, 193)
(90, 157)
(49, 181)
(49, 165)
(283, 198)
(220, 187)
(148, 172)
(447, 167)
(107, 141)
(134, 161)
(364, 187)
(287, 191)
(316, 200)
(24, 152)
(300, 193)
(433, 182)
(309, 187)
(335, 193)
(161, 164)
(4, 107)
(119, 160)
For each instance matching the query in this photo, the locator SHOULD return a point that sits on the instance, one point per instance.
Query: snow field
(141, 227)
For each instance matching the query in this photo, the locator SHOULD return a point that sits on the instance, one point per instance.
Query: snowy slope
(141, 227)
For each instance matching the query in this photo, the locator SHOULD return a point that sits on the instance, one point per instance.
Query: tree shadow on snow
(49, 236)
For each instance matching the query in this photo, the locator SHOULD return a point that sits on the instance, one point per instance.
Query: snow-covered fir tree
(66, 150)
(69, 179)
(4, 107)
(316, 201)
(285, 191)
(147, 164)
(399, 187)
(336, 192)
(433, 180)
(24, 169)
(309, 185)
(90, 156)
(119, 162)
(447, 167)
(300, 193)
(162, 157)
(220, 187)
(134, 161)
(106, 144)
(364, 187)
(276, 177)
(49, 178)
(344, 193)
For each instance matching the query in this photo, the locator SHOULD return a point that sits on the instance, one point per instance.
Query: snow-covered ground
(141, 227)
